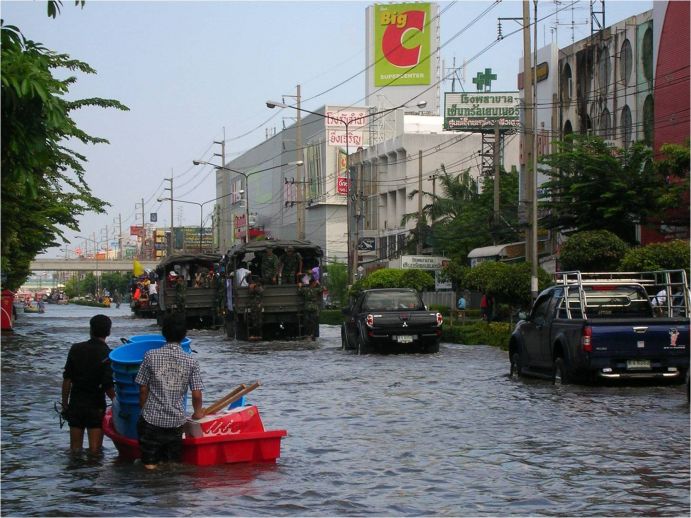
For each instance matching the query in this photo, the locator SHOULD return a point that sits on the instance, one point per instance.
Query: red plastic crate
(258, 446)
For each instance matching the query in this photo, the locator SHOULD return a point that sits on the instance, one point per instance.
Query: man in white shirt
(242, 275)
(153, 293)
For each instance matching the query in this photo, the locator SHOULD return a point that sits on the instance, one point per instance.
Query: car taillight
(440, 319)
(369, 321)
(587, 339)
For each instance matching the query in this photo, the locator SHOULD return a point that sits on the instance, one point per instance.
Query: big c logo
(393, 41)
(402, 44)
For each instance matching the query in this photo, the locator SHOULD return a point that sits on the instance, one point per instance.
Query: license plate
(637, 364)
(404, 339)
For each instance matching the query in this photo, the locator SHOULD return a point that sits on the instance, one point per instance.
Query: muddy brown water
(447, 434)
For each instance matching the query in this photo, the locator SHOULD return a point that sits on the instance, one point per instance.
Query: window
(539, 315)
(626, 126)
(605, 124)
(648, 120)
(604, 69)
(625, 62)
(566, 84)
(647, 54)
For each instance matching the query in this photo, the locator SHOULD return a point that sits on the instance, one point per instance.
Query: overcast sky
(192, 72)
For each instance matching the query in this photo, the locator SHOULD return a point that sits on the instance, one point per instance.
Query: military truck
(282, 305)
(192, 284)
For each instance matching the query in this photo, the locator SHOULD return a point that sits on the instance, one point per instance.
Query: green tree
(463, 218)
(336, 281)
(672, 255)
(43, 180)
(507, 283)
(592, 251)
(419, 280)
(593, 186)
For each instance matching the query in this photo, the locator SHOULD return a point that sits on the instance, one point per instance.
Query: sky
(193, 73)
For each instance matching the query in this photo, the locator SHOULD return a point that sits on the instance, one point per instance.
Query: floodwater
(446, 435)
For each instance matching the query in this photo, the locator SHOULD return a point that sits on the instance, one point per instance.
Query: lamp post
(247, 191)
(351, 250)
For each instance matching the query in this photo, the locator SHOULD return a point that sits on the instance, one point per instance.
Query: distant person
(255, 318)
(487, 307)
(87, 378)
(163, 378)
(460, 307)
(153, 292)
(659, 301)
(117, 298)
(311, 297)
(289, 265)
(242, 275)
(269, 267)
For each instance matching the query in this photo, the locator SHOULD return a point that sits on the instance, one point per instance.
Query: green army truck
(282, 306)
(192, 285)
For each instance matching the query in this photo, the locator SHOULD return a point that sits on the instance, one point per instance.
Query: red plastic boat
(237, 435)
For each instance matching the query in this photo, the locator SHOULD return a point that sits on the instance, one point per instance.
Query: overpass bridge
(88, 265)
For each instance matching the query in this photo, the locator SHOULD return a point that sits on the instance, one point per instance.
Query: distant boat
(30, 308)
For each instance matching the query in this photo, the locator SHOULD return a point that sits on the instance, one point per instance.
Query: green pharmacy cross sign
(484, 81)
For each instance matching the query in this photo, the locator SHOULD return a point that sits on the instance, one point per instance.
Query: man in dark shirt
(86, 380)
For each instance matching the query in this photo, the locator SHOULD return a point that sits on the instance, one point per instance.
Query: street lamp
(352, 250)
(247, 191)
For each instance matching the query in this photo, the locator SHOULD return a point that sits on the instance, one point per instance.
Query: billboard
(340, 118)
(402, 44)
(478, 111)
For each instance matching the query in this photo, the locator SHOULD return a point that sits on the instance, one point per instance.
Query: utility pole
(172, 213)
(120, 237)
(419, 204)
(528, 138)
(227, 222)
(300, 198)
(533, 191)
(496, 172)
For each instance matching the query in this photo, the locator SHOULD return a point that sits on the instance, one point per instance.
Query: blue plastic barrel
(186, 343)
(125, 362)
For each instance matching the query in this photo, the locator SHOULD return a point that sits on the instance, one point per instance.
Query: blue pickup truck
(592, 326)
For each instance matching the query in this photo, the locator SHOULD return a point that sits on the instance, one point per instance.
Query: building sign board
(423, 262)
(346, 126)
(479, 111)
(402, 44)
(367, 244)
(342, 182)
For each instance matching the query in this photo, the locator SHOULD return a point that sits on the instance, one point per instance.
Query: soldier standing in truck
(289, 265)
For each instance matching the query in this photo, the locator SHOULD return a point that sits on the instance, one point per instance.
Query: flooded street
(444, 434)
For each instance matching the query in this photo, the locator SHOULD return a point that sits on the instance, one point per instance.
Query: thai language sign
(481, 110)
(345, 127)
(402, 44)
(423, 262)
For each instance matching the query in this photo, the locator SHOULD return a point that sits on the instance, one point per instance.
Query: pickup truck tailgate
(410, 321)
(641, 344)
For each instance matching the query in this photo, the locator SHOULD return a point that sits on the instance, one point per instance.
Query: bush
(496, 334)
(592, 251)
(507, 283)
(672, 255)
(394, 278)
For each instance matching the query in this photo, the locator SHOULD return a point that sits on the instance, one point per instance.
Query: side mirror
(523, 315)
(345, 311)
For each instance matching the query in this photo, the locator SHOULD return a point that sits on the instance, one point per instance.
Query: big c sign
(402, 44)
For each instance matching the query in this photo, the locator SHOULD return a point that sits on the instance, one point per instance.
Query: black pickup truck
(606, 326)
(390, 320)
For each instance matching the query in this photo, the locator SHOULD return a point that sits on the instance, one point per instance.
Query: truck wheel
(560, 376)
(431, 348)
(516, 368)
(362, 347)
